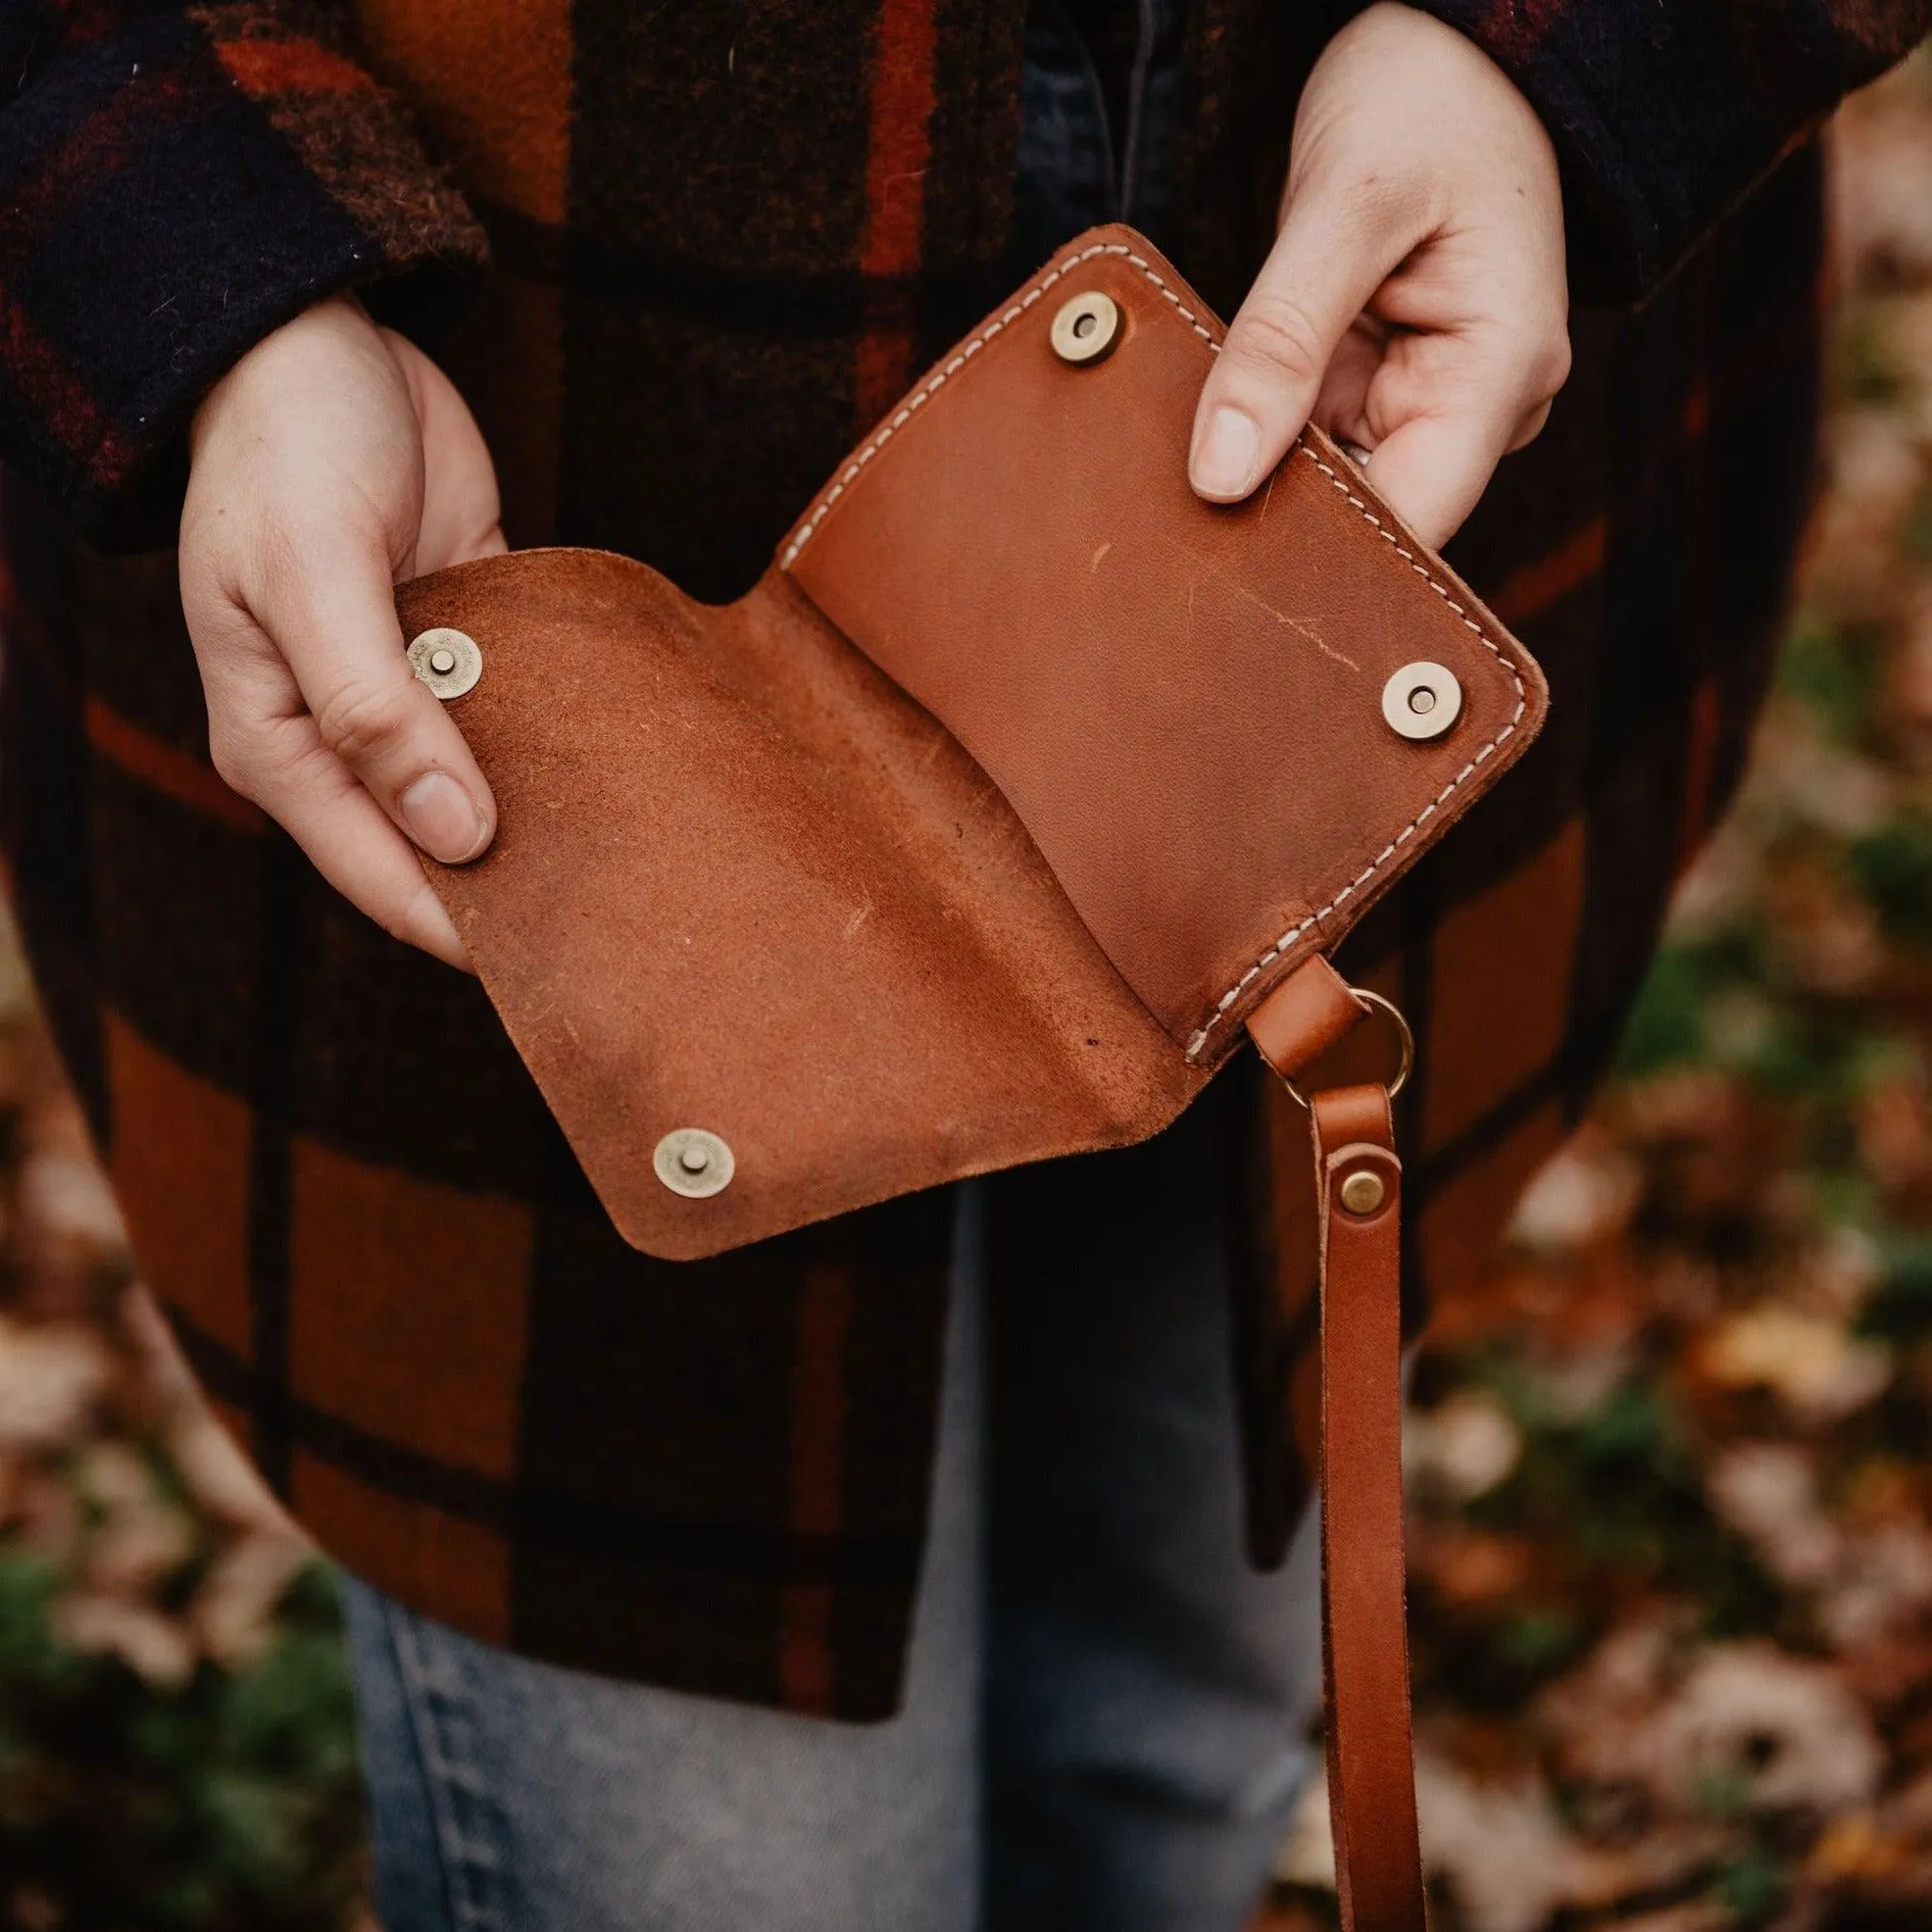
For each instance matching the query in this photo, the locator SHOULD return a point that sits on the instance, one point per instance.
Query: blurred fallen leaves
(176, 1737)
(1821, 1372)
(1670, 1463)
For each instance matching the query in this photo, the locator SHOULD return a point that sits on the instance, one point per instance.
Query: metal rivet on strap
(1086, 328)
(447, 661)
(693, 1162)
(1363, 1191)
(1422, 700)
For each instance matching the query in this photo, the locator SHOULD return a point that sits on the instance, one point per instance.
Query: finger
(266, 747)
(336, 629)
(1530, 427)
(1431, 469)
(1332, 254)
(1448, 410)
(461, 507)
(1342, 405)
(325, 808)
(450, 537)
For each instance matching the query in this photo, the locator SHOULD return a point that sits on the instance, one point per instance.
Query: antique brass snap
(694, 1163)
(1086, 328)
(1421, 700)
(447, 661)
(1363, 1191)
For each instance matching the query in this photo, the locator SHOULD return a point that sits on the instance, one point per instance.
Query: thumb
(1335, 249)
(331, 614)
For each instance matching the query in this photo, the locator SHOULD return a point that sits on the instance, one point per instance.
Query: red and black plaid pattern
(723, 240)
(174, 182)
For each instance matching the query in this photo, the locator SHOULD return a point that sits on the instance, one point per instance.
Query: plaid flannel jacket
(720, 241)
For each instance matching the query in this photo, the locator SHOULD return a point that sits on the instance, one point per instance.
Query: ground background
(1672, 1525)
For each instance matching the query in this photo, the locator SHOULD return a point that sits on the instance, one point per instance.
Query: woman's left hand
(1414, 303)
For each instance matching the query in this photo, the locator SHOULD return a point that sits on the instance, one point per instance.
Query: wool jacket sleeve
(175, 181)
(1666, 112)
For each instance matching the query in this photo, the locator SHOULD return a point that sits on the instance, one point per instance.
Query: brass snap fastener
(1086, 328)
(1421, 700)
(1363, 1191)
(447, 661)
(694, 1163)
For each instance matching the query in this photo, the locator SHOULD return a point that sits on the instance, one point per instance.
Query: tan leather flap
(1183, 701)
(744, 883)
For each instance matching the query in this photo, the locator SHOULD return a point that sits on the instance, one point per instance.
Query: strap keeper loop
(1311, 1010)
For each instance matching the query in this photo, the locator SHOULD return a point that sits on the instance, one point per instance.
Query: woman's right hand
(332, 462)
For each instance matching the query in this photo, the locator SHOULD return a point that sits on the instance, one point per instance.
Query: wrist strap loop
(1357, 1181)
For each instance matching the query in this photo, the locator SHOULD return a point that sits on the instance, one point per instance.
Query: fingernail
(439, 816)
(1224, 458)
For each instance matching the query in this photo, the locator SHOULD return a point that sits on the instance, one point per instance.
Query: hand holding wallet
(974, 833)
(1021, 786)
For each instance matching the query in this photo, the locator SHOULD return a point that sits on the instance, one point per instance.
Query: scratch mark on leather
(1098, 553)
(858, 919)
(1219, 572)
(1299, 626)
(1012, 313)
(1429, 812)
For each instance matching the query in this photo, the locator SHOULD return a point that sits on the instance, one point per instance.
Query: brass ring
(1369, 1002)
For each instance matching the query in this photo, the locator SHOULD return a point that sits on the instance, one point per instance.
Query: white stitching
(1435, 805)
(957, 361)
(888, 429)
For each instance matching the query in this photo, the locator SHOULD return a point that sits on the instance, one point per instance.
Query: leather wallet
(1021, 787)
(973, 832)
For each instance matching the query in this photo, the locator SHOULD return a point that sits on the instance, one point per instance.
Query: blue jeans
(1106, 1720)
(1106, 1716)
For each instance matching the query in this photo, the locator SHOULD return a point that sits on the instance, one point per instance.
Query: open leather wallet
(1020, 790)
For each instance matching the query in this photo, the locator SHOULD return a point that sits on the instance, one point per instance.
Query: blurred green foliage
(227, 1803)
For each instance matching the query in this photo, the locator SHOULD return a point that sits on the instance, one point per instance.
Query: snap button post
(1363, 1191)
(447, 661)
(1421, 700)
(1086, 328)
(694, 1163)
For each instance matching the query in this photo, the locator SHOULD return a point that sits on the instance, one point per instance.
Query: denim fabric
(1106, 1714)
(1075, 169)
(1105, 1724)
(506, 1795)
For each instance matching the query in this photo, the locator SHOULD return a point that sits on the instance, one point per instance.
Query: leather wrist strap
(1358, 1179)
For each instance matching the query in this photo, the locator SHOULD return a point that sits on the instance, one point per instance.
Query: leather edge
(1219, 1030)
